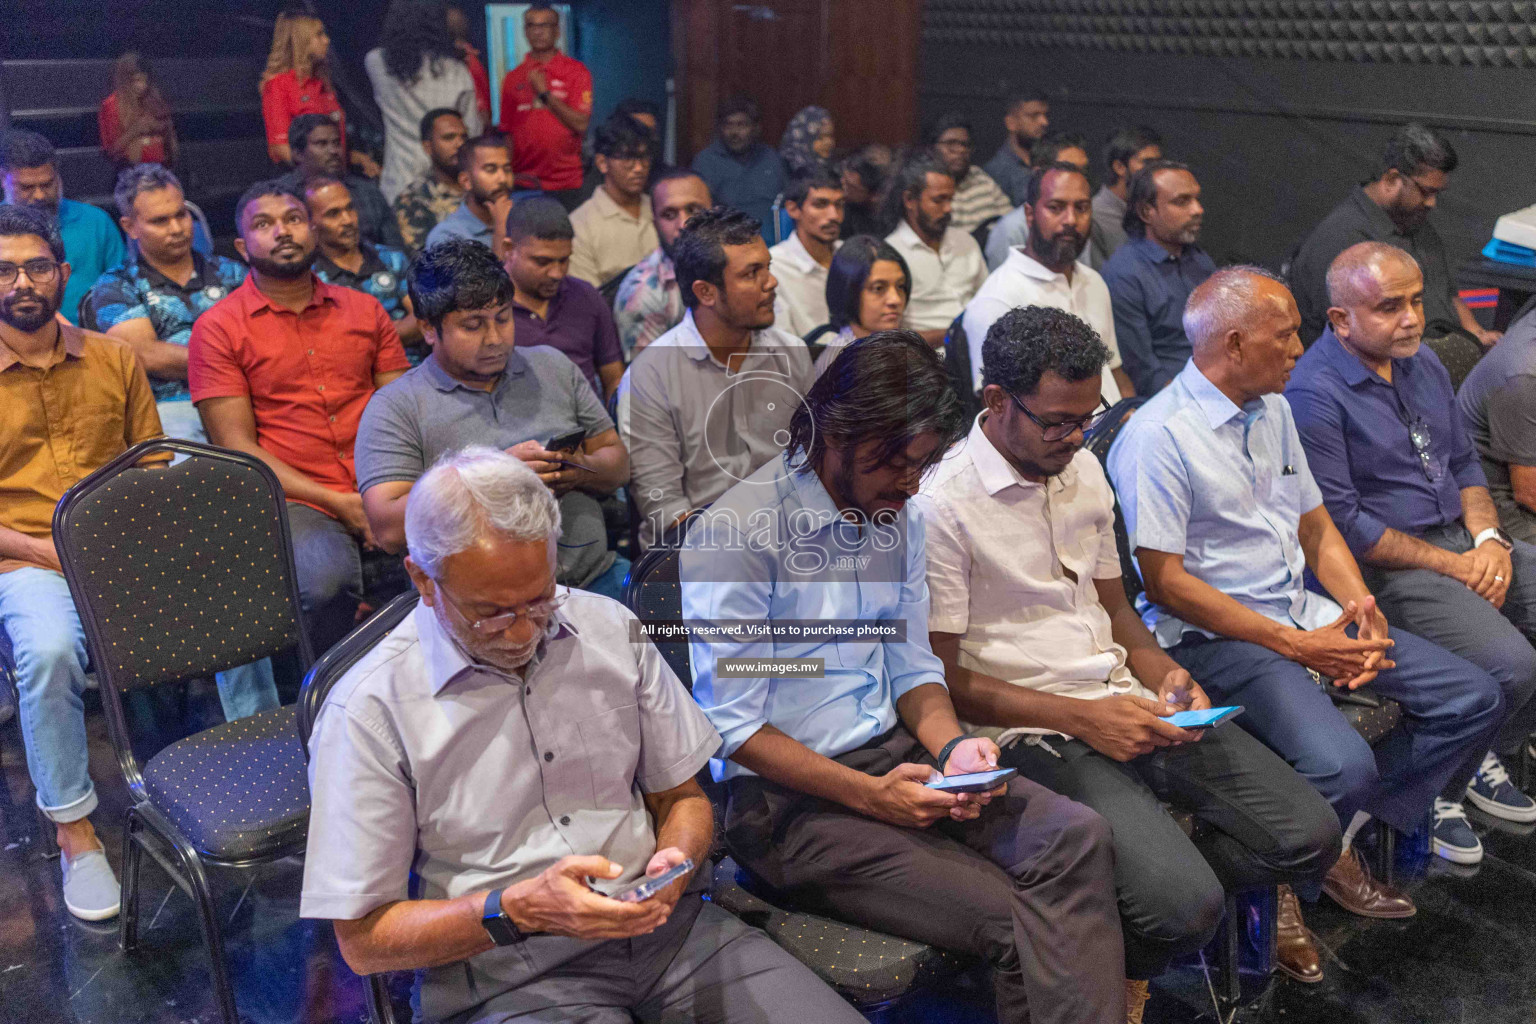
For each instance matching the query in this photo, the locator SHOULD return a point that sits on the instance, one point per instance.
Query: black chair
(609, 289)
(957, 364)
(1457, 350)
(871, 970)
(983, 231)
(180, 572)
(814, 343)
(317, 685)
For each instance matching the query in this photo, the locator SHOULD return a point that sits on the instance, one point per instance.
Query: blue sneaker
(1493, 793)
(1453, 838)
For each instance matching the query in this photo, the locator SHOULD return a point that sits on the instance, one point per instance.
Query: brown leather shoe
(1350, 885)
(1295, 952)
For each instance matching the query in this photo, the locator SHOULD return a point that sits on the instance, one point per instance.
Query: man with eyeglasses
(615, 228)
(1044, 271)
(1044, 654)
(1225, 520)
(978, 199)
(1394, 208)
(504, 763)
(1401, 478)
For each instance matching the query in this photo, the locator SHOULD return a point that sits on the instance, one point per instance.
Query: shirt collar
(664, 267)
(1027, 265)
(795, 252)
(1217, 407)
(1344, 362)
(993, 469)
(808, 493)
(445, 658)
(160, 282)
(1006, 152)
(74, 347)
(372, 264)
(1150, 251)
(607, 206)
(1378, 218)
(254, 300)
(551, 311)
(439, 378)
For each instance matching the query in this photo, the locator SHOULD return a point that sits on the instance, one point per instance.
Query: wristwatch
(1495, 534)
(497, 924)
(543, 97)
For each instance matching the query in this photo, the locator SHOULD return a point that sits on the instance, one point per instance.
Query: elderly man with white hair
(505, 762)
(1224, 518)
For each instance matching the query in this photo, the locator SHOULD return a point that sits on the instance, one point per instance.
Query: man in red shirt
(546, 102)
(281, 369)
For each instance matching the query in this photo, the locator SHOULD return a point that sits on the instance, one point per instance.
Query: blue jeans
(179, 418)
(1451, 710)
(611, 582)
(38, 614)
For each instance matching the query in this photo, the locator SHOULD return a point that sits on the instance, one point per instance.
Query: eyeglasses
(1066, 428)
(1418, 433)
(38, 271)
(1424, 190)
(535, 612)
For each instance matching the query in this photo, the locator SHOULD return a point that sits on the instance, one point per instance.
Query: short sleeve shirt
(542, 145)
(433, 777)
(1498, 403)
(134, 290)
(540, 395)
(64, 422)
(382, 275)
(284, 98)
(308, 374)
(649, 303)
(422, 205)
(92, 246)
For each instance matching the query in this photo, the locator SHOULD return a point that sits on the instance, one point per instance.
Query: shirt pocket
(612, 743)
(96, 432)
(1285, 499)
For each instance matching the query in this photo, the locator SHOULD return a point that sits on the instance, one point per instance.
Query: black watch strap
(949, 748)
(497, 924)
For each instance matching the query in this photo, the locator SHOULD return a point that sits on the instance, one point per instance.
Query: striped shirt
(977, 200)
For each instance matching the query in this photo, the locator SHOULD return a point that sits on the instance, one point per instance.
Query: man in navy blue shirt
(1398, 473)
(1151, 275)
(740, 170)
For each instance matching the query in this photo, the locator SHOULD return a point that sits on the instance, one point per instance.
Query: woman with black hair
(416, 68)
(867, 289)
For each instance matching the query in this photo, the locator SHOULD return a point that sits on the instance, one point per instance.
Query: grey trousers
(1497, 640)
(702, 965)
(1269, 826)
(1029, 885)
(334, 574)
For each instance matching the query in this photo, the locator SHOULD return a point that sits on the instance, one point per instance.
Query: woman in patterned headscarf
(808, 141)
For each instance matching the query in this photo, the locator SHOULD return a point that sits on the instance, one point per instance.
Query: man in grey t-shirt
(1498, 402)
(477, 388)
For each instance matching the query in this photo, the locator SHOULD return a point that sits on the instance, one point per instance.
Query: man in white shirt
(815, 203)
(946, 263)
(1044, 653)
(1059, 209)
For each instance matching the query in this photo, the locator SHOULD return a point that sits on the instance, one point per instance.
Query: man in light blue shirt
(92, 243)
(1224, 517)
(827, 753)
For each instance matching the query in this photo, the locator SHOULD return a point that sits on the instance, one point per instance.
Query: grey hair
(138, 179)
(469, 493)
(1222, 302)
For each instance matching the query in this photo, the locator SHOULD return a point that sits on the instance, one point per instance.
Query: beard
(28, 323)
(497, 654)
(487, 198)
(282, 270)
(1062, 248)
(935, 227)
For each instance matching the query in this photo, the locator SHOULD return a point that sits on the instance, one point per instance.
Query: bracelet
(949, 748)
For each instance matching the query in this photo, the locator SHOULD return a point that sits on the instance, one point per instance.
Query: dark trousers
(334, 575)
(1268, 826)
(1451, 709)
(1443, 611)
(1029, 885)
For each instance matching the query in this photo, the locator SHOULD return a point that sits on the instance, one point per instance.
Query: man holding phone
(1044, 654)
(493, 778)
(479, 387)
(827, 761)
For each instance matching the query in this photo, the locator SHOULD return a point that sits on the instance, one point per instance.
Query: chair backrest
(957, 363)
(1457, 351)
(609, 289)
(1099, 443)
(655, 594)
(334, 663)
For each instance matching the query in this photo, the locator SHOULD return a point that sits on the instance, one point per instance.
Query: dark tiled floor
(1464, 958)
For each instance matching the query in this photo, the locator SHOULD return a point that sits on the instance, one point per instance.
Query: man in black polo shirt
(152, 298)
(318, 149)
(1393, 208)
(344, 259)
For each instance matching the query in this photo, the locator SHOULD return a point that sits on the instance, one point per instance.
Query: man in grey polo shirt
(1498, 402)
(443, 843)
(707, 403)
(477, 388)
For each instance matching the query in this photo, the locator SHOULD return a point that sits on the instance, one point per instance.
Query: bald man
(1224, 517)
(1401, 480)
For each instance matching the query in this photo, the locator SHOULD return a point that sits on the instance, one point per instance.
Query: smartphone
(566, 442)
(976, 782)
(1204, 719)
(648, 887)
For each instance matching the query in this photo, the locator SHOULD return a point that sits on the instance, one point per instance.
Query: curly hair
(416, 31)
(1024, 343)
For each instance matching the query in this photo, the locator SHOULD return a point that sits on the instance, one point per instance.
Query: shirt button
(527, 689)
(548, 756)
(565, 819)
(311, 351)
(322, 387)
(333, 419)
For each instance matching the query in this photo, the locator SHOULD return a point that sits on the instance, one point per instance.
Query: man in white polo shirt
(1059, 209)
(814, 202)
(946, 263)
(1044, 654)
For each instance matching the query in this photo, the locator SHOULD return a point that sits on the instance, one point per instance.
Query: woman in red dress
(135, 120)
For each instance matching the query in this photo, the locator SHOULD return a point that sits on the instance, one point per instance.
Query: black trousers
(1269, 826)
(1029, 885)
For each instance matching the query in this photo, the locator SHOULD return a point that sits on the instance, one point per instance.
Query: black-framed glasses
(38, 271)
(1066, 428)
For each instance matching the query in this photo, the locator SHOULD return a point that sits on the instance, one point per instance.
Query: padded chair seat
(237, 791)
(867, 968)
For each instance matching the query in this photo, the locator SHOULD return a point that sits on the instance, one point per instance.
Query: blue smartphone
(975, 782)
(648, 887)
(1206, 719)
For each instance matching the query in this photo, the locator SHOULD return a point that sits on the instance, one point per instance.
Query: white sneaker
(91, 892)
